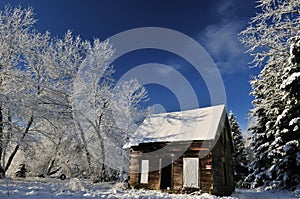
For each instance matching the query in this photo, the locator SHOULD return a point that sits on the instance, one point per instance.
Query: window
(144, 171)
(190, 172)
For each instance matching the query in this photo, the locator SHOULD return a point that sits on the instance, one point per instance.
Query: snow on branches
(40, 80)
(272, 38)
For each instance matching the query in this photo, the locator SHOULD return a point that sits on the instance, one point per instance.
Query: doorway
(166, 173)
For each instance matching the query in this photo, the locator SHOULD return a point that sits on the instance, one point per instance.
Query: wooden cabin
(183, 151)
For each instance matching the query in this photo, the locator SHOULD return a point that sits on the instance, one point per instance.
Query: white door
(190, 172)
(144, 171)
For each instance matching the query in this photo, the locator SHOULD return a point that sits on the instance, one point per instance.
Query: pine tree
(271, 34)
(21, 173)
(267, 105)
(285, 149)
(240, 155)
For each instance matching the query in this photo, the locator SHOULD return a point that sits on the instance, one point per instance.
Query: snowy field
(52, 188)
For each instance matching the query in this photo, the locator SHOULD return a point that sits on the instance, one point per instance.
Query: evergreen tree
(21, 173)
(271, 34)
(240, 155)
(285, 149)
(267, 105)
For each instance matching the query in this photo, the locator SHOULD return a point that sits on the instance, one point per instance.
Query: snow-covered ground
(35, 188)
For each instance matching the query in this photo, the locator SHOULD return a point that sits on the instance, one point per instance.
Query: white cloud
(220, 40)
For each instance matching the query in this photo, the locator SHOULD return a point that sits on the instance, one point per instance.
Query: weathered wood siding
(134, 167)
(223, 182)
(215, 166)
(185, 149)
(206, 177)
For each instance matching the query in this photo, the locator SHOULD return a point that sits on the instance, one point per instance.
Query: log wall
(215, 167)
(176, 152)
(223, 182)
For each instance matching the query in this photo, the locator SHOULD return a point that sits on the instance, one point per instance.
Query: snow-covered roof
(189, 125)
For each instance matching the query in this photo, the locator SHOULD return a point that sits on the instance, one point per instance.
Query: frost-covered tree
(267, 105)
(274, 140)
(285, 149)
(91, 99)
(17, 102)
(40, 84)
(127, 96)
(240, 155)
(269, 32)
(58, 64)
(104, 111)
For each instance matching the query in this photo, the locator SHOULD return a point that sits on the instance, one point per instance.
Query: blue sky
(214, 24)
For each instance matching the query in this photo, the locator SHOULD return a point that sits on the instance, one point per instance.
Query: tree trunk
(1, 132)
(7, 138)
(12, 155)
(49, 172)
(87, 153)
(51, 164)
(100, 137)
(50, 167)
(2, 171)
(103, 155)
